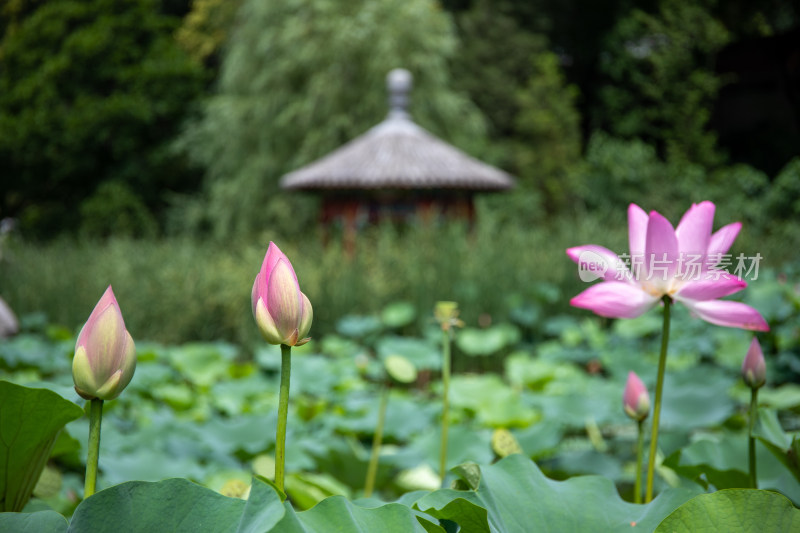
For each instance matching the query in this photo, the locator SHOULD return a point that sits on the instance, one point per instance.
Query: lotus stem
(662, 364)
(283, 412)
(752, 440)
(446, 340)
(93, 456)
(377, 439)
(637, 488)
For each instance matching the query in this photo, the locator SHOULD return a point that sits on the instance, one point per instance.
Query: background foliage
(91, 94)
(193, 110)
(298, 80)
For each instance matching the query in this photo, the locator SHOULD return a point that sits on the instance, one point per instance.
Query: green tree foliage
(783, 200)
(520, 86)
(300, 78)
(617, 172)
(548, 133)
(494, 63)
(661, 79)
(205, 29)
(91, 91)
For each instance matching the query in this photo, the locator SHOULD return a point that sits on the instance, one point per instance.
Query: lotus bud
(754, 369)
(105, 356)
(635, 400)
(282, 312)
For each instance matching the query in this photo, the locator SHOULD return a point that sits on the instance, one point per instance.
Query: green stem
(637, 494)
(752, 439)
(95, 420)
(283, 412)
(662, 365)
(446, 338)
(372, 470)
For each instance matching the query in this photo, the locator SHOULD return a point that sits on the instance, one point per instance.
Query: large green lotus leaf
(554, 326)
(263, 509)
(786, 396)
(732, 345)
(518, 498)
(400, 369)
(637, 328)
(398, 314)
(337, 346)
(587, 461)
(405, 416)
(695, 398)
(574, 401)
(336, 514)
(251, 433)
(557, 351)
(494, 403)
(30, 420)
(770, 298)
(463, 444)
(29, 350)
(722, 461)
(734, 511)
(319, 376)
(483, 342)
(307, 489)
(421, 353)
(522, 369)
(39, 522)
(358, 326)
(237, 396)
(150, 374)
(175, 505)
(782, 445)
(203, 363)
(178, 396)
(540, 439)
(526, 314)
(147, 464)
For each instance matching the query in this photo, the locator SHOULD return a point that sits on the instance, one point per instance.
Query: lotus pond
(538, 440)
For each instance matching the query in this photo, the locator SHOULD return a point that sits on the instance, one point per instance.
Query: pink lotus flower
(754, 369)
(282, 312)
(679, 263)
(635, 399)
(105, 356)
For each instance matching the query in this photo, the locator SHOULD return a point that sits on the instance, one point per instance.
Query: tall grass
(177, 290)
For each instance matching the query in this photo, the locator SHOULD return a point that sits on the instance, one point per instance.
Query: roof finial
(398, 82)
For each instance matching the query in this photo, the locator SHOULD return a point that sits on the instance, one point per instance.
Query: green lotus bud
(105, 356)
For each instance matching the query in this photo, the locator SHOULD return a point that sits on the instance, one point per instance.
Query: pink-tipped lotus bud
(635, 400)
(282, 312)
(105, 356)
(754, 369)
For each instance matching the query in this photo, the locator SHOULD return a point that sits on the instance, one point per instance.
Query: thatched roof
(397, 154)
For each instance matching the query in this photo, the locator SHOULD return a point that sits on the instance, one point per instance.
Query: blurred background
(142, 144)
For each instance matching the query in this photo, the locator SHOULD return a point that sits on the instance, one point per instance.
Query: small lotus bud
(754, 369)
(282, 312)
(635, 400)
(105, 356)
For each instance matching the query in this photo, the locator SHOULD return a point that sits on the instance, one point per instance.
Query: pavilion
(396, 171)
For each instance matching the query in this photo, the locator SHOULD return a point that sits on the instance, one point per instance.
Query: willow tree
(301, 77)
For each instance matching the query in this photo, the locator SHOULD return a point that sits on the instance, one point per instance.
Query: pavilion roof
(397, 154)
